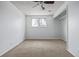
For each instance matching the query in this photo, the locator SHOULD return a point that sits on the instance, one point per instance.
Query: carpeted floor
(39, 48)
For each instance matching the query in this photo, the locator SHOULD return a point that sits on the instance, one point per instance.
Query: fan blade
(49, 2)
(37, 1)
(36, 5)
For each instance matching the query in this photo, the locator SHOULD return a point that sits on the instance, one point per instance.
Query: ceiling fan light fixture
(44, 2)
(43, 8)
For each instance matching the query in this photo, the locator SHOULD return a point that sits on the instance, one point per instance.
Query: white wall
(73, 28)
(62, 18)
(64, 28)
(11, 26)
(52, 31)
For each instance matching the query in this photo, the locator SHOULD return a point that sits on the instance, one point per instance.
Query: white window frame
(40, 22)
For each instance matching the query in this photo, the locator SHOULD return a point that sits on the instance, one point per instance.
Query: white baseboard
(8, 49)
(43, 37)
(73, 52)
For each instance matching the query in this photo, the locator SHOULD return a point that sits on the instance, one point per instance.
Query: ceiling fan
(41, 3)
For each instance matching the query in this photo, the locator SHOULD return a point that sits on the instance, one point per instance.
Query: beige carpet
(39, 48)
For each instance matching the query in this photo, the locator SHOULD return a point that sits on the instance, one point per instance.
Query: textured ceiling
(27, 7)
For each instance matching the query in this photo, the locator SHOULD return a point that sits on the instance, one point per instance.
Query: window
(43, 22)
(39, 22)
(34, 22)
